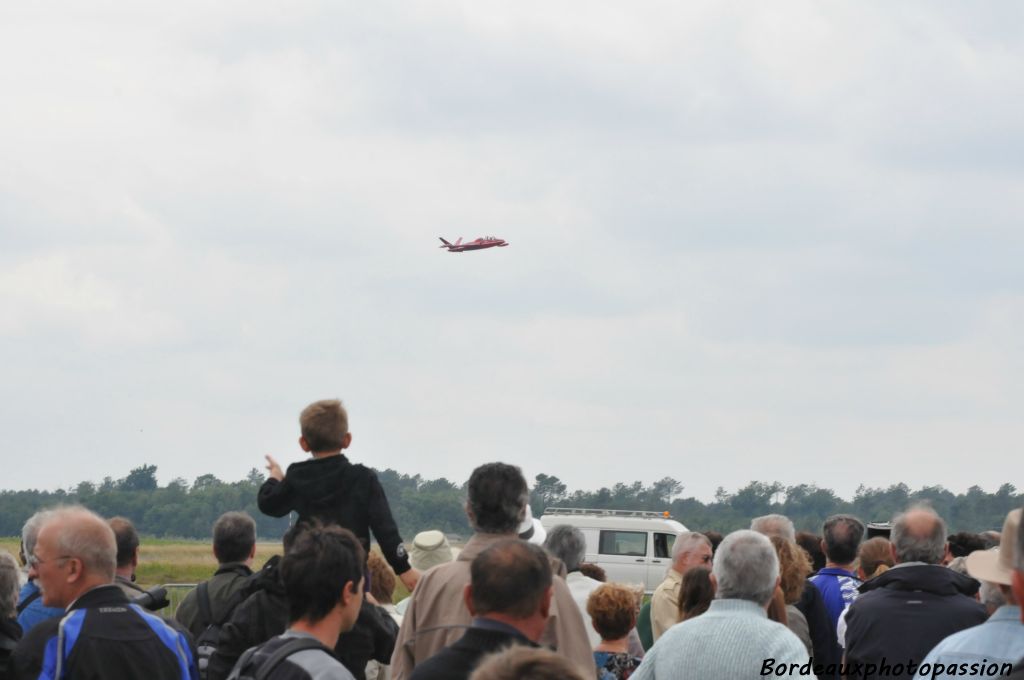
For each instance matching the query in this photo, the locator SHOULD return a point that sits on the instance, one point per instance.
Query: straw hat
(996, 564)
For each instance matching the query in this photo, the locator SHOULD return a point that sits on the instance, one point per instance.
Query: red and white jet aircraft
(478, 244)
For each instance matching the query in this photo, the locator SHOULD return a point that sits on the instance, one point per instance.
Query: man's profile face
(698, 557)
(49, 569)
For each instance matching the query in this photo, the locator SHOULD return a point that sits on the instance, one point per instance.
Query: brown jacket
(437, 616)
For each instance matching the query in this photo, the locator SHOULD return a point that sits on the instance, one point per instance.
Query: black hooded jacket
(264, 614)
(336, 491)
(901, 614)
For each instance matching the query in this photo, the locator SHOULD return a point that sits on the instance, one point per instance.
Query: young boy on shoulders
(331, 489)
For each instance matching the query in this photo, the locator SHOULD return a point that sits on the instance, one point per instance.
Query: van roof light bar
(650, 514)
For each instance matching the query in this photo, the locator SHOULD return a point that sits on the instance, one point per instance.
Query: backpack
(206, 643)
(263, 670)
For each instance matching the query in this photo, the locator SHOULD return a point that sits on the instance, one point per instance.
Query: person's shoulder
(440, 665)
(41, 632)
(320, 664)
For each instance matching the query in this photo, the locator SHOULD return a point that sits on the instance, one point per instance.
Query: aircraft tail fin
(444, 242)
(458, 241)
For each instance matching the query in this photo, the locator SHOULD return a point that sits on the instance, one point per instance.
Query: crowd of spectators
(514, 602)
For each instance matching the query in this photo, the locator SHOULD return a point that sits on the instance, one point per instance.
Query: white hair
(991, 595)
(774, 525)
(83, 534)
(9, 584)
(30, 531)
(746, 567)
(687, 542)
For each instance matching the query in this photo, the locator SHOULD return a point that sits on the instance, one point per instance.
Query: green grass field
(163, 561)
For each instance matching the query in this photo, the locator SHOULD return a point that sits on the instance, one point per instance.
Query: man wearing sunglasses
(101, 634)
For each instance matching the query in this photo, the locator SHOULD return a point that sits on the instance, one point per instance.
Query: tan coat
(437, 616)
(665, 604)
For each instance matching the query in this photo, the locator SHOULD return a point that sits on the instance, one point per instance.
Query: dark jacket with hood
(901, 614)
(264, 614)
(335, 491)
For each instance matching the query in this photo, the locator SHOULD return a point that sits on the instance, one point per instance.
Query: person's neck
(124, 572)
(532, 628)
(82, 590)
(845, 567)
(326, 630)
(620, 646)
(326, 454)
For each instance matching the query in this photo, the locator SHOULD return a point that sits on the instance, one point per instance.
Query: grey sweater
(733, 640)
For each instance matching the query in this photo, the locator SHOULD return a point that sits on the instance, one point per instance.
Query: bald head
(919, 535)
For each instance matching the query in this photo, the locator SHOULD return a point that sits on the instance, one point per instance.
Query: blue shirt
(997, 641)
(838, 590)
(36, 612)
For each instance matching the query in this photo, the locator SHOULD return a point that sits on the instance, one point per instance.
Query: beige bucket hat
(429, 549)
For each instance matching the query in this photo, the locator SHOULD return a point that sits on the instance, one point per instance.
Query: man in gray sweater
(734, 639)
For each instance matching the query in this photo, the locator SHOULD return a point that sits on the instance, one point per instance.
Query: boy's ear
(349, 591)
(346, 441)
(304, 444)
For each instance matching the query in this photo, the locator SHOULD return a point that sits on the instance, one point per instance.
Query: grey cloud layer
(749, 235)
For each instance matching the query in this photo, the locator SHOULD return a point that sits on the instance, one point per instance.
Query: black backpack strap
(203, 600)
(293, 646)
(29, 600)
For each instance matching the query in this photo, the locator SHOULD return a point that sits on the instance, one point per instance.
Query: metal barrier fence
(176, 592)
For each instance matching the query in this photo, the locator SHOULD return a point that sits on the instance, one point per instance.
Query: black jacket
(10, 633)
(108, 638)
(264, 614)
(457, 661)
(223, 590)
(819, 627)
(333, 490)
(261, 616)
(901, 614)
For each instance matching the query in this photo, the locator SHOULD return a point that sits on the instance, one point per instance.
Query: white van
(632, 546)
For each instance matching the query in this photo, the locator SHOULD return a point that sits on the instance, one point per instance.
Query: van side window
(632, 543)
(663, 544)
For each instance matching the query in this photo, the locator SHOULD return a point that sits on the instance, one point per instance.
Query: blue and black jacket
(103, 635)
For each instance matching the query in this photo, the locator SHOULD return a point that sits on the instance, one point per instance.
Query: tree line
(183, 510)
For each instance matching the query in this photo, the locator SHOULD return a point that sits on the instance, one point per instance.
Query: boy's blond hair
(324, 425)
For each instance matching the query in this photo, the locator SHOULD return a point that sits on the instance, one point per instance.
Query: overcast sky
(772, 241)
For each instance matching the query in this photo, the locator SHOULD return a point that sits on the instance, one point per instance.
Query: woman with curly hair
(613, 609)
(794, 568)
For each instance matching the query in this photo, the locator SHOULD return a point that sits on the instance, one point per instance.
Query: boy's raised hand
(410, 578)
(274, 469)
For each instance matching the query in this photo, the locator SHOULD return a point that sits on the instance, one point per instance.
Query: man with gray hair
(212, 601)
(811, 604)
(31, 609)
(774, 525)
(690, 549)
(437, 616)
(568, 544)
(734, 638)
(902, 614)
(102, 634)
